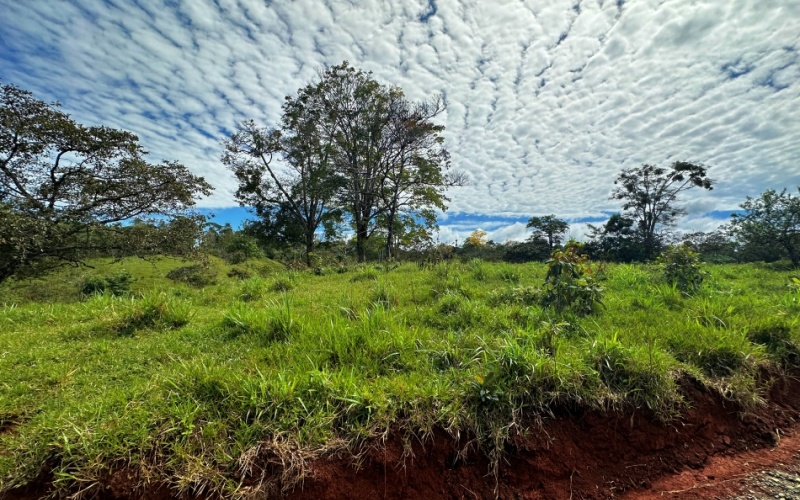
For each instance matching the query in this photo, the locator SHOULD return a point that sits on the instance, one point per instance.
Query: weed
(196, 275)
(569, 283)
(154, 311)
(118, 284)
(681, 268)
(283, 284)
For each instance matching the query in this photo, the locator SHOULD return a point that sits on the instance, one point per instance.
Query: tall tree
(389, 155)
(60, 181)
(548, 227)
(772, 219)
(650, 196)
(301, 183)
(417, 176)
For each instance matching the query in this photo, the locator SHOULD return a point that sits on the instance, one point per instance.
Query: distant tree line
(350, 155)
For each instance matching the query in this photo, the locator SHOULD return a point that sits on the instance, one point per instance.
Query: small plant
(681, 267)
(282, 285)
(777, 339)
(570, 283)
(523, 295)
(195, 275)
(365, 275)
(154, 311)
(252, 289)
(509, 274)
(117, 285)
(239, 273)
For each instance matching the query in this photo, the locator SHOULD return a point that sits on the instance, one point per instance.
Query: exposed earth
(715, 450)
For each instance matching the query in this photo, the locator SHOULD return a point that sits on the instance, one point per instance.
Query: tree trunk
(361, 240)
(792, 251)
(309, 247)
(390, 234)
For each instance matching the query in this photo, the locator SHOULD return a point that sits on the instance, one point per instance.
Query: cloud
(548, 99)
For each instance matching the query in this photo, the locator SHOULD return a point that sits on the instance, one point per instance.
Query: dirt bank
(576, 455)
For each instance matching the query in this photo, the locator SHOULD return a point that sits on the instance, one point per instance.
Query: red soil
(588, 455)
(591, 455)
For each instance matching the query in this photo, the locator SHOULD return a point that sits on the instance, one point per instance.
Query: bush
(239, 273)
(116, 284)
(282, 285)
(154, 311)
(777, 340)
(681, 267)
(570, 283)
(195, 275)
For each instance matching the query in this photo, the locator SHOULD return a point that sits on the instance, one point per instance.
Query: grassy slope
(189, 383)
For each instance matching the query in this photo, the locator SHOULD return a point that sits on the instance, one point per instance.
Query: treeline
(350, 156)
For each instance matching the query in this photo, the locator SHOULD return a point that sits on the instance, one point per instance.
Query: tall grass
(196, 386)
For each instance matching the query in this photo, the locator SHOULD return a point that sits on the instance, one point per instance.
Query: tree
(62, 182)
(616, 240)
(303, 186)
(548, 227)
(388, 155)
(650, 193)
(476, 239)
(415, 177)
(773, 219)
(715, 246)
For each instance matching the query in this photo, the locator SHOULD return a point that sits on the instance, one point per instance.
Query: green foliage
(216, 379)
(364, 275)
(548, 228)
(154, 311)
(239, 273)
(282, 284)
(649, 196)
(569, 283)
(196, 275)
(771, 224)
(777, 338)
(681, 267)
(116, 284)
(66, 187)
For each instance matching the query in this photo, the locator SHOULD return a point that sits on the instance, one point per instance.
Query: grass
(193, 385)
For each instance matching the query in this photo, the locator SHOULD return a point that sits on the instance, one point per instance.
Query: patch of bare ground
(712, 451)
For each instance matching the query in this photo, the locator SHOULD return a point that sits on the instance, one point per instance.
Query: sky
(547, 99)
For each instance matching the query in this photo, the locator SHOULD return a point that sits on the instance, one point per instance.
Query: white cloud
(548, 101)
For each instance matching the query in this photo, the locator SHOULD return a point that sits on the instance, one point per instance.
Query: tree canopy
(61, 181)
(549, 228)
(650, 193)
(348, 146)
(772, 219)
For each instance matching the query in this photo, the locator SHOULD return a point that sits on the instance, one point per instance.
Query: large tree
(772, 220)
(650, 193)
(301, 184)
(416, 176)
(548, 227)
(62, 183)
(385, 149)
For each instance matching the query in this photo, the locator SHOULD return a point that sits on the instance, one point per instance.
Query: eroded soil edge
(576, 455)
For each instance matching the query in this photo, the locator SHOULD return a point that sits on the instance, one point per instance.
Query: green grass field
(194, 386)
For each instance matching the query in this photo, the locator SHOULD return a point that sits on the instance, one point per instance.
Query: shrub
(681, 267)
(777, 339)
(239, 273)
(195, 275)
(117, 284)
(523, 295)
(365, 275)
(569, 283)
(154, 311)
(282, 285)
